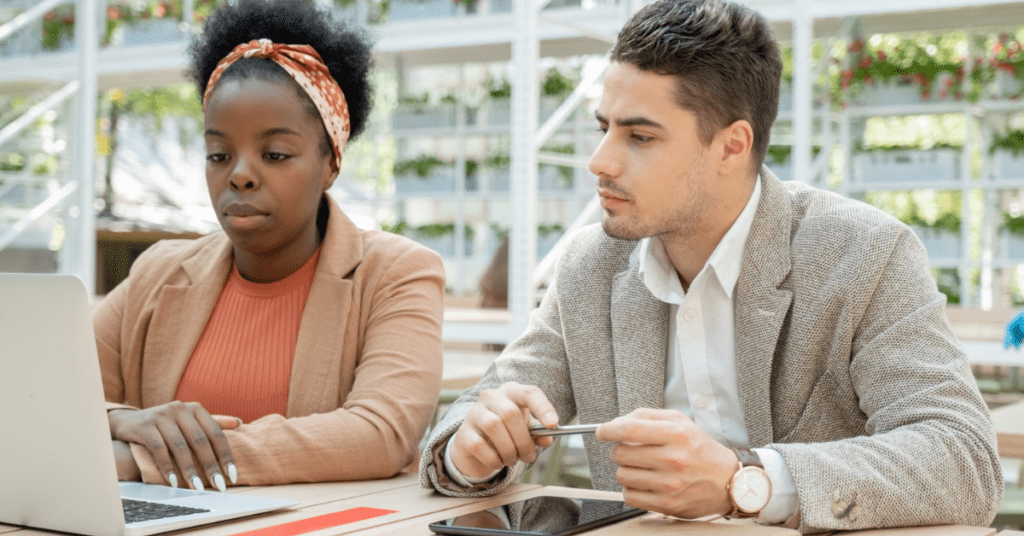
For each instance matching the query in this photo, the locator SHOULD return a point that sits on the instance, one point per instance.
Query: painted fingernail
(197, 483)
(218, 481)
(232, 473)
(172, 479)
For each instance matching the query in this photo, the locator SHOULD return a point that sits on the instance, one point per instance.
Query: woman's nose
(242, 176)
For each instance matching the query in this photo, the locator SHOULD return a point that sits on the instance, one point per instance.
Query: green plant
(421, 165)
(58, 23)
(907, 61)
(565, 173)
(498, 161)
(1013, 142)
(12, 162)
(861, 148)
(399, 227)
(1013, 224)
(472, 166)
(556, 84)
(438, 230)
(547, 229)
(949, 221)
(414, 100)
(499, 89)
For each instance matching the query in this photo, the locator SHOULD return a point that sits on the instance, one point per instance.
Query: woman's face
(265, 170)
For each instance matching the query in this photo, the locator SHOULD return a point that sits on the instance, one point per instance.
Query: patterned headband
(308, 69)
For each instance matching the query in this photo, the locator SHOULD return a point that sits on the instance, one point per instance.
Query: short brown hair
(724, 55)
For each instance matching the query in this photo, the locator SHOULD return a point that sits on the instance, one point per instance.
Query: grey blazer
(847, 364)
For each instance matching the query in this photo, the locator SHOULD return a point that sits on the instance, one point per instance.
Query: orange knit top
(242, 364)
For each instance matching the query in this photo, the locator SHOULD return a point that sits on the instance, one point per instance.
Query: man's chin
(616, 229)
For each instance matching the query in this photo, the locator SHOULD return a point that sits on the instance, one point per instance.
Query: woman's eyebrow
(265, 134)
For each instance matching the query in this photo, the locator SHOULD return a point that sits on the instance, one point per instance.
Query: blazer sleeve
(376, 431)
(536, 358)
(928, 452)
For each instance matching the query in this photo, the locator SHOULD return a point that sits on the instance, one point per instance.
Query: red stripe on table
(325, 521)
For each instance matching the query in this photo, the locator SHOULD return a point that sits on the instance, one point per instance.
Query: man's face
(656, 176)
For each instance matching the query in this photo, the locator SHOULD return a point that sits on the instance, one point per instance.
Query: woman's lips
(242, 216)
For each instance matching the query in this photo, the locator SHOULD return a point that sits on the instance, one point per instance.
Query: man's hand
(496, 432)
(178, 435)
(667, 464)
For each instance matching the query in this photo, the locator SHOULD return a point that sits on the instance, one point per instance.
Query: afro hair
(346, 51)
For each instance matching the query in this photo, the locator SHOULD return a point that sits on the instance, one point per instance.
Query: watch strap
(748, 457)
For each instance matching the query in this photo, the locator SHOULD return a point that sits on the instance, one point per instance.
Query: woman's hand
(180, 436)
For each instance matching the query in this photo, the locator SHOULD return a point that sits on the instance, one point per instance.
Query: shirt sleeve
(456, 475)
(783, 501)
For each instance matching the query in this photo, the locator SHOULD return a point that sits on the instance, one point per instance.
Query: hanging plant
(421, 165)
(556, 84)
(1012, 142)
(57, 24)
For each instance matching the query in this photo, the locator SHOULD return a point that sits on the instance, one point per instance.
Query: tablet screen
(549, 516)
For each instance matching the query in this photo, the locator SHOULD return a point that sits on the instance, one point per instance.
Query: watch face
(751, 489)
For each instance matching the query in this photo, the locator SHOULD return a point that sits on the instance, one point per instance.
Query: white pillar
(803, 35)
(82, 231)
(523, 188)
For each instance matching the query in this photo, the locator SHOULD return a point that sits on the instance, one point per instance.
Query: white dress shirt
(700, 370)
(700, 373)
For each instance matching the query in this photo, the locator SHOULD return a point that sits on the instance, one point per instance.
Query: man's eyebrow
(630, 121)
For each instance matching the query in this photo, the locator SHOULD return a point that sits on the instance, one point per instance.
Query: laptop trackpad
(149, 492)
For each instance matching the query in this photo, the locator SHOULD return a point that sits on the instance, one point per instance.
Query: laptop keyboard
(136, 511)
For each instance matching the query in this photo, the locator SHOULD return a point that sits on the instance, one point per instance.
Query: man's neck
(689, 251)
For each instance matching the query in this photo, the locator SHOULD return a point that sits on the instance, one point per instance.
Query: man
(720, 309)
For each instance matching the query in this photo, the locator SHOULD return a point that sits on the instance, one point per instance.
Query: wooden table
(1009, 425)
(415, 508)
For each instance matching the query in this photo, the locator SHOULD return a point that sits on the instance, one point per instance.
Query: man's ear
(737, 142)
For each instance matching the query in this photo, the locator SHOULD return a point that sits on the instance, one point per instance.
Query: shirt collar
(726, 260)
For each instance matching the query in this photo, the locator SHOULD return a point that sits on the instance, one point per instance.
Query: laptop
(57, 467)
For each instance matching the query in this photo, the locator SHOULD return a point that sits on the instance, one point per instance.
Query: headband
(308, 69)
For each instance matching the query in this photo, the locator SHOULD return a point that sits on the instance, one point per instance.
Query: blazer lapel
(315, 379)
(761, 306)
(179, 319)
(639, 341)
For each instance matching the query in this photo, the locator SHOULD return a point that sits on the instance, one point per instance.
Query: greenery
(557, 84)
(57, 24)
(949, 222)
(779, 154)
(421, 165)
(432, 230)
(499, 89)
(891, 147)
(547, 229)
(907, 61)
(414, 100)
(501, 160)
(1013, 224)
(1013, 142)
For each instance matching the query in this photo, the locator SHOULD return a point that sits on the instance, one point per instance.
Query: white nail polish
(218, 481)
(232, 473)
(172, 479)
(197, 483)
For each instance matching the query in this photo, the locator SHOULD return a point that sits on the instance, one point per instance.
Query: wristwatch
(750, 489)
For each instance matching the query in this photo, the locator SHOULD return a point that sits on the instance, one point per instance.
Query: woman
(292, 347)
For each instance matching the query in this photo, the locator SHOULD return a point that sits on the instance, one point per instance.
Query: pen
(540, 431)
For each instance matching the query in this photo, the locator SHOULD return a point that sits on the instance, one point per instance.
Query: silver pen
(540, 431)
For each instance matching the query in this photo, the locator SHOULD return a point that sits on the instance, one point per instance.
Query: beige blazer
(367, 366)
(847, 364)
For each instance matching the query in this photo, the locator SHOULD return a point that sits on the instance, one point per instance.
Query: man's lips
(609, 199)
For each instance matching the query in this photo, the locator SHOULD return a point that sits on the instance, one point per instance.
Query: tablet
(539, 516)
